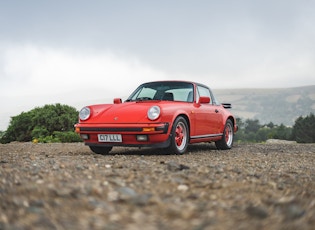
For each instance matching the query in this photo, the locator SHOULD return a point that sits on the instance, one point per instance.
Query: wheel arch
(179, 136)
(185, 116)
(233, 120)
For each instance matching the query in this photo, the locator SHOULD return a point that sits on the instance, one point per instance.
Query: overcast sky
(79, 52)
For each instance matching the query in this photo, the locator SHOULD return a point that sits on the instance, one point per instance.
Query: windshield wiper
(143, 99)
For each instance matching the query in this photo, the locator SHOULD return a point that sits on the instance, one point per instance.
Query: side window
(203, 92)
(214, 100)
(180, 94)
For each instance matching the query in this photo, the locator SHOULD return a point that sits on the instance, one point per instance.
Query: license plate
(109, 138)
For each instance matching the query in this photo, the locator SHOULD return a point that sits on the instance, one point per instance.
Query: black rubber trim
(93, 129)
(122, 129)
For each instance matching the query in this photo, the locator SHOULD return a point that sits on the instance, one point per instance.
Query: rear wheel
(100, 150)
(228, 136)
(179, 136)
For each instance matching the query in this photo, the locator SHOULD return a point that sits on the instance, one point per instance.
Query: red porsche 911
(160, 114)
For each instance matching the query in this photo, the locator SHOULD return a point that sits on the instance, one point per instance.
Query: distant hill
(280, 106)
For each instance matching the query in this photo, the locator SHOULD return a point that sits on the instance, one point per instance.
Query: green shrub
(64, 137)
(38, 132)
(304, 129)
(41, 123)
(47, 139)
(67, 137)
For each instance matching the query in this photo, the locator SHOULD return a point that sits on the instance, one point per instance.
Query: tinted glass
(171, 91)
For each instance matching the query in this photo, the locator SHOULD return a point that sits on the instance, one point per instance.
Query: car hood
(128, 112)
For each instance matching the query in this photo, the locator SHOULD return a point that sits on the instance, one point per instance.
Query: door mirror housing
(117, 101)
(204, 100)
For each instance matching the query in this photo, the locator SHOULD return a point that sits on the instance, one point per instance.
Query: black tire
(179, 136)
(228, 137)
(101, 149)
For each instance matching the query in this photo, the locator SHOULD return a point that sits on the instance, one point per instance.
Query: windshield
(169, 91)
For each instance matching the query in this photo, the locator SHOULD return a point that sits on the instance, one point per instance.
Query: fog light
(142, 138)
(84, 136)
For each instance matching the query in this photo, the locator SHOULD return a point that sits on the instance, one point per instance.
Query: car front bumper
(148, 134)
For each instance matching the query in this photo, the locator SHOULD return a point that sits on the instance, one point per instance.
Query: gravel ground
(65, 186)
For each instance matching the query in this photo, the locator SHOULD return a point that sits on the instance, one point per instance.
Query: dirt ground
(66, 186)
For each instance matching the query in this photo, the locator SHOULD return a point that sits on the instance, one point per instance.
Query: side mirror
(204, 100)
(117, 101)
(227, 105)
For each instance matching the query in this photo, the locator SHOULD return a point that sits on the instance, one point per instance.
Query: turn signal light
(148, 129)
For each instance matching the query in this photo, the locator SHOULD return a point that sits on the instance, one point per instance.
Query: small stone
(182, 187)
(294, 211)
(39, 181)
(257, 212)
(32, 158)
(173, 166)
(286, 199)
(126, 192)
(63, 192)
(141, 200)
(113, 196)
(3, 219)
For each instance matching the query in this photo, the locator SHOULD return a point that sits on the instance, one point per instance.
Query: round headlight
(84, 113)
(154, 112)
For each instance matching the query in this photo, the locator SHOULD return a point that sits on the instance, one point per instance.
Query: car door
(208, 116)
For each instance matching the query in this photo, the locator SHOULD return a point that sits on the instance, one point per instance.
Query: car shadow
(195, 148)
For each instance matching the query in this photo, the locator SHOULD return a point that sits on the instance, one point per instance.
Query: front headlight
(154, 113)
(84, 113)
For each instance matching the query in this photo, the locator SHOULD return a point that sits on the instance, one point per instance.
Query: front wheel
(179, 136)
(228, 136)
(100, 150)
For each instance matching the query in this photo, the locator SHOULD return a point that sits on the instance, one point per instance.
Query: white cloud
(33, 76)
(43, 71)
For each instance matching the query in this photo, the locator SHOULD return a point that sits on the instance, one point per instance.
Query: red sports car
(161, 114)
